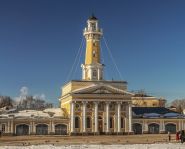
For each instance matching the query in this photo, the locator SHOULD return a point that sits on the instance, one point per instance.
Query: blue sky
(39, 40)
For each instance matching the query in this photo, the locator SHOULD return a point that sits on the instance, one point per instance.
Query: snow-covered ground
(134, 146)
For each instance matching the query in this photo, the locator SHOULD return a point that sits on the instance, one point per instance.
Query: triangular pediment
(101, 89)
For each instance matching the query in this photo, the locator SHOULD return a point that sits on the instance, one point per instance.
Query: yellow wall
(90, 47)
(148, 102)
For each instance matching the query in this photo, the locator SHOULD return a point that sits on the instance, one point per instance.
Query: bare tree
(33, 103)
(6, 101)
(179, 104)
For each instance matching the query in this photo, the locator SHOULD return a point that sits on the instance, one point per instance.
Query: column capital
(107, 102)
(119, 102)
(72, 102)
(129, 103)
(96, 102)
(84, 102)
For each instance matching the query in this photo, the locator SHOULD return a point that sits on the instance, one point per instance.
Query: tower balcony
(92, 31)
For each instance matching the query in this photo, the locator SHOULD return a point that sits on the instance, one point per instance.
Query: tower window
(94, 53)
(93, 26)
(94, 73)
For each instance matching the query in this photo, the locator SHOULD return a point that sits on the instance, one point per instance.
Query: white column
(30, 128)
(34, 128)
(130, 117)
(107, 117)
(180, 126)
(84, 116)
(162, 126)
(53, 126)
(8, 127)
(96, 116)
(72, 116)
(119, 117)
(90, 73)
(98, 74)
(145, 126)
(11, 129)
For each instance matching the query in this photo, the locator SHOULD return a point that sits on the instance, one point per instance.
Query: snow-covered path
(134, 146)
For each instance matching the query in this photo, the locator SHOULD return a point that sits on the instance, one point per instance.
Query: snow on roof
(52, 112)
(172, 115)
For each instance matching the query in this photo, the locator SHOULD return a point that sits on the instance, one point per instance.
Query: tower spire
(92, 69)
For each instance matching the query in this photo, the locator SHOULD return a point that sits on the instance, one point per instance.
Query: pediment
(101, 89)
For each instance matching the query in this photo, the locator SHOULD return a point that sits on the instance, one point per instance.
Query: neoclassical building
(95, 106)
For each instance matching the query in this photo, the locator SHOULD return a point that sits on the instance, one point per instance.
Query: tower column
(84, 116)
(72, 117)
(96, 117)
(107, 117)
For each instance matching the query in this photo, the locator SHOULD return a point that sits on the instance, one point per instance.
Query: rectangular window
(122, 122)
(3, 128)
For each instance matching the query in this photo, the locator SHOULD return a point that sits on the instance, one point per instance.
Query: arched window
(88, 122)
(137, 128)
(42, 129)
(61, 129)
(22, 129)
(77, 122)
(170, 128)
(153, 128)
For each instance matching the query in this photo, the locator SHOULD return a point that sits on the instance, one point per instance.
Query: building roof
(146, 110)
(52, 112)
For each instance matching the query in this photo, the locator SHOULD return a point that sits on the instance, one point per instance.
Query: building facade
(95, 106)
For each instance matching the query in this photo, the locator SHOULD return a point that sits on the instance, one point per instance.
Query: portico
(100, 122)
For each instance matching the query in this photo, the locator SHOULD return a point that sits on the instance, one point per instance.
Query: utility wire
(111, 56)
(81, 51)
(71, 70)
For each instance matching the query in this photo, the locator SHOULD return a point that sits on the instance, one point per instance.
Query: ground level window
(88, 122)
(111, 122)
(77, 122)
(3, 128)
(122, 122)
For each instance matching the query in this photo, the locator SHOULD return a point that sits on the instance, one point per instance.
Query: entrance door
(100, 124)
